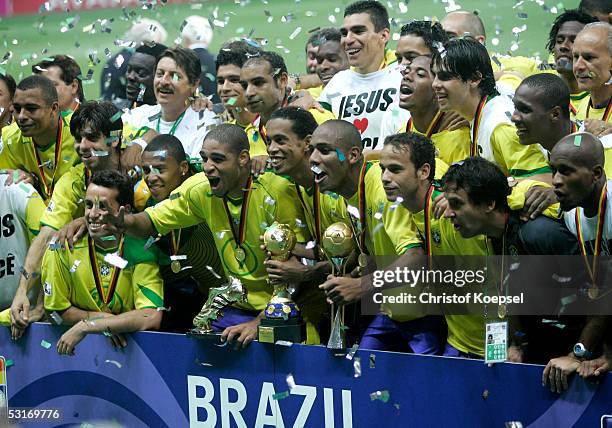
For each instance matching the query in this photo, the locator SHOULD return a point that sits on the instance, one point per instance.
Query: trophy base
(195, 333)
(291, 330)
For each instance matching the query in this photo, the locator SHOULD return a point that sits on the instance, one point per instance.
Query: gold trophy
(218, 298)
(338, 244)
(283, 319)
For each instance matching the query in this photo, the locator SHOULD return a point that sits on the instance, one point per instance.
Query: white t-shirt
(13, 236)
(588, 225)
(362, 100)
(191, 130)
(393, 120)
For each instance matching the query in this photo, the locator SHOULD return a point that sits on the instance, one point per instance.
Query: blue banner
(170, 380)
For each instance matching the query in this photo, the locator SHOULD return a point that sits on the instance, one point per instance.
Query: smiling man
(229, 62)
(331, 60)
(140, 74)
(38, 144)
(177, 76)
(65, 74)
(464, 82)
(592, 54)
(238, 208)
(418, 110)
(362, 94)
(90, 291)
(560, 43)
(97, 140)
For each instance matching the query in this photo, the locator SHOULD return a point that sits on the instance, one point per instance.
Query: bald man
(592, 54)
(509, 70)
(339, 166)
(583, 192)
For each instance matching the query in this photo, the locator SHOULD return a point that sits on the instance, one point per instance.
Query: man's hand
(440, 206)
(597, 127)
(258, 165)
(71, 233)
(537, 199)
(595, 367)
(241, 334)
(453, 121)
(20, 314)
(557, 371)
(70, 339)
(303, 99)
(342, 290)
(118, 341)
(16, 176)
(515, 354)
(201, 103)
(290, 271)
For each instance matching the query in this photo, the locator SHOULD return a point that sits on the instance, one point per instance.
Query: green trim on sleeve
(151, 295)
(326, 106)
(520, 173)
(48, 225)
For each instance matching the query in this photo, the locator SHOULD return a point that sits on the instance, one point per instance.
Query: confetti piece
(75, 265)
(316, 169)
(341, 156)
(354, 211)
(161, 308)
(380, 395)
(284, 343)
(57, 319)
(577, 140)
(115, 260)
(280, 395)
(295, 33)
(216, 275)
(351, 353)
(310, 245)
(357, 367)
(290, 381)
(202, 363)
(150, 241)
(99, 153)
(117, 363)
(270, 201)
(372, 361)
(45, 344)
(159, 154)
(108, 238)
(9, 363)
(224, 344)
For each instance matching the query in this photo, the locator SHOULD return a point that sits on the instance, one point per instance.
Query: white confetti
(354, 211)
(295, 33)
(290, 381)
(117, 363)
(357, 367)
(213, 272)
(75, 265)
(115, 260)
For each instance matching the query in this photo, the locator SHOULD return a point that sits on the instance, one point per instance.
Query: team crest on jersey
(48, 288)
(51, 206)
(105, 270)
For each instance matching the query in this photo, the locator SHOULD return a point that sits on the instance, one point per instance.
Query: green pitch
(284, 24)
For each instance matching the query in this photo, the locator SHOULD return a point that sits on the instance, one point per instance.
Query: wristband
(139, 141)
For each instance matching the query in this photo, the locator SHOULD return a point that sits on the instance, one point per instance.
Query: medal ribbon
(315, 208)
(428, 246)
(477, 118)
(606, 114)
(175, 242)
(362, 208)
(58, 151)
(174, 125)
(243, 214)
(435, 122)
(96, 273)
(601, 214)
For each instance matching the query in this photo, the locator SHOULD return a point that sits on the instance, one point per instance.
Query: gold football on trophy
(338, 240)
(279, 240)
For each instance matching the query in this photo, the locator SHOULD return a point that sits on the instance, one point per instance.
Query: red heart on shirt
(361, 124)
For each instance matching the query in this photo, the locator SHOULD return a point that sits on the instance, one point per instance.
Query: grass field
(29, 38)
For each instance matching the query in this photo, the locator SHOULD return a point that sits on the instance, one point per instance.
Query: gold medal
(239, 254)
(502, 311)
(593, 292)
(175, 266)
(362, 260)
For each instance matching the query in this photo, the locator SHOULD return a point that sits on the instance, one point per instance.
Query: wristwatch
(581, 351)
